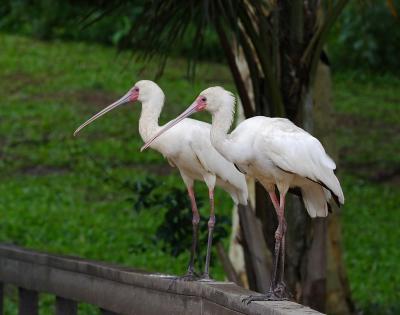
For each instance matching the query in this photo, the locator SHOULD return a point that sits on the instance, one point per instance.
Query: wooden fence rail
(120, 290)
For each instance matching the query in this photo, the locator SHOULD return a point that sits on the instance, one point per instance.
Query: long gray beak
(189, 111)
(124, 99)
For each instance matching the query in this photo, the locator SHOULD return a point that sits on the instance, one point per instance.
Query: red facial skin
(201, 103)
(134, 94)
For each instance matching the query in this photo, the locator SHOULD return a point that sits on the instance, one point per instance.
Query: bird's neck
(221, 122)
(148, 122)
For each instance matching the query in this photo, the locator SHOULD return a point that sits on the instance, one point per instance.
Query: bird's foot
(281, 292)
(189, 276)
(278, 293)
(205, 277)
(252, 298)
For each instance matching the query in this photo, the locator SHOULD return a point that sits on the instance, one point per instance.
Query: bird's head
(142, 91)
(145, 90)
(212, 99)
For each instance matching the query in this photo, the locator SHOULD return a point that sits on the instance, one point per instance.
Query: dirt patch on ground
(394, 100)
(155, 169)
(387, 176)
(87, 98)
(366, 124)
(19, 80)
(43, 170)
(159, 169)
(98, 98)
(376, 169)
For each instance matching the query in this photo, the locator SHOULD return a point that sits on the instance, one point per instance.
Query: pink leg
(280, 290)
(195, 223)
(274, 200)
(211, 224)
(279, 254)
(281, 218)
(277, 289)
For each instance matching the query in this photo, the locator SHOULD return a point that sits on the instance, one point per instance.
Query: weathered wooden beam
(28, 301)
(256, 248)
(66, 306)
(127, 291)
(227, 265)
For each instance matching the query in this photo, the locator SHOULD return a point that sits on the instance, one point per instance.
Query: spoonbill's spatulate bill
(188, 147)
(279, 155)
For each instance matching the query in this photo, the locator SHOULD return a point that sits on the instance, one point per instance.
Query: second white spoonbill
(279, 155)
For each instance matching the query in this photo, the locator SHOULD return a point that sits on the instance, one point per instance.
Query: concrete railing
(121, 290)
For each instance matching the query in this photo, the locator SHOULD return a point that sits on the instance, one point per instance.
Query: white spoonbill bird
(189, 149)
(279, 155)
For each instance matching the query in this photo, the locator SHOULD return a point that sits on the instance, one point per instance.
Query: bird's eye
(204, 98)
(136, 89)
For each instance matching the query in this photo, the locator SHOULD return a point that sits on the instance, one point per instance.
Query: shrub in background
(367, 37)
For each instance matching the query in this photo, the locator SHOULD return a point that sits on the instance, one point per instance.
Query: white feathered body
(277, 152)
(188, 147)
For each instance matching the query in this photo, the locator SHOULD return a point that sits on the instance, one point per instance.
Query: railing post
(1, 297)
(66, 306)
(105, 312)
(28, 302)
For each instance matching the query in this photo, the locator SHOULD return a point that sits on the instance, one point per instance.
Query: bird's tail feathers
(329, 162)
(239, 193)
(243, 197)
(315, 200)
(240, 196)
(332, 183)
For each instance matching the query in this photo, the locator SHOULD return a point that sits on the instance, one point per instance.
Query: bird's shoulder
(248, 128)
(187, 130)
(196, 123)
(286, 144)
(283, 132)
(193, 135)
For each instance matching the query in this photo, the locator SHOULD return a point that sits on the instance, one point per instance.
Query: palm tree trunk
(315, 267)
(338, 295)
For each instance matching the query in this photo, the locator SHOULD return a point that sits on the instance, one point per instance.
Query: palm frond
(281, 41)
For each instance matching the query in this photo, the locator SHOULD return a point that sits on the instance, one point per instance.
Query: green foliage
(281, 44)
(367, 37)
(47, 19)
(176, 229)
(68, 194)
(368, 118)
(106, 22)
(369, 133)
(371, 234)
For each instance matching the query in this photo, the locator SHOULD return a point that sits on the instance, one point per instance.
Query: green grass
(368, 110)
(69, 195)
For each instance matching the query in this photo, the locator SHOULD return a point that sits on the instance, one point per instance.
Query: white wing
(189, 146)
(294, 150)
(215, 163)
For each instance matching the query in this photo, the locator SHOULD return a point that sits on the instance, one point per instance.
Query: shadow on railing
(120, 290)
